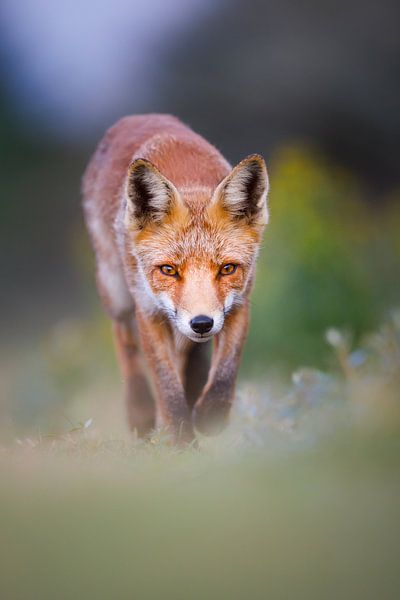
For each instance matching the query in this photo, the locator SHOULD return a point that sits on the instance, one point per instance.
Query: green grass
(321, 522)
(298, 499)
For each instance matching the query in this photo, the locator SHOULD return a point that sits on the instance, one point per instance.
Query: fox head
(195, 249)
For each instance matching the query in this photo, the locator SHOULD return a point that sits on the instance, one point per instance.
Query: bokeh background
(313, 86)
(299, 498)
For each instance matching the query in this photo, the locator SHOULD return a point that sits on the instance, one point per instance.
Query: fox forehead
(199, 241)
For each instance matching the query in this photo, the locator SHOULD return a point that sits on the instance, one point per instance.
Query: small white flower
(334, 337)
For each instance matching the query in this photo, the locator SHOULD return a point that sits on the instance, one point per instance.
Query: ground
(298, 499)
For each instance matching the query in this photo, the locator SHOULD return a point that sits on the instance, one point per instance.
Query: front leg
(196, 371)
(160, 353)
(139, 401)
(212, 409)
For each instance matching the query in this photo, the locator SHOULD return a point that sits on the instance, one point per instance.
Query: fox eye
(228, 269)
(168, 270)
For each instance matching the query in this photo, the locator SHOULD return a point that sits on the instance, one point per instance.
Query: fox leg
(196, 372)
(139, 401)
(172, 409)
(211, 410)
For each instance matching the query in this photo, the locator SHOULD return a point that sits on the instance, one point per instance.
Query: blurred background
(299, 498)
(313, 86)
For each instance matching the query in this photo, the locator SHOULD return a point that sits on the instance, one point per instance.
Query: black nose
(201, 324)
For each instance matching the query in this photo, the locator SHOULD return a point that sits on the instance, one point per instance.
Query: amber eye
(228, 269)
(168, 270)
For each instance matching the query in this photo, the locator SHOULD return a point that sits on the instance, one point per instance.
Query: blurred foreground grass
(298, 499)
(319, 524)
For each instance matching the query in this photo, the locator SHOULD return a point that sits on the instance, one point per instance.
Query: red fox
(176, 232)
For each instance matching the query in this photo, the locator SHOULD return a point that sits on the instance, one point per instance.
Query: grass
(298, 499)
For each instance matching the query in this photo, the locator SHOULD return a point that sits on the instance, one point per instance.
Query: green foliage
(328, 259)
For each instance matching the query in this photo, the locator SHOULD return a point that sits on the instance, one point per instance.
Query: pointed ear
(150, 195)
(243, 193)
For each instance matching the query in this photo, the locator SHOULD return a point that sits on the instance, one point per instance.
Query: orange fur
(155, 193)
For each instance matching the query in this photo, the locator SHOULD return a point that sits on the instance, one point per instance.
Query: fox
(176, 231)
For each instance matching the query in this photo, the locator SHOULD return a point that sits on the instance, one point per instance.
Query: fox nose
(201, 324)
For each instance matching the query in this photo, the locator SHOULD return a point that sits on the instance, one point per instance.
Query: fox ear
(150, 196)
(243, 193)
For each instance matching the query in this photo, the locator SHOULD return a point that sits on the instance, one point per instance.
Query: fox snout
(200, 327)
(202, 324)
